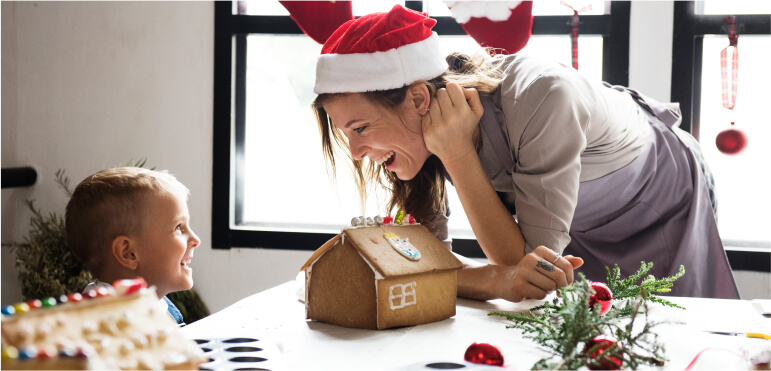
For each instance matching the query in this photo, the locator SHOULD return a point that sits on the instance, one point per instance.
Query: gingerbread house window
(401, 296)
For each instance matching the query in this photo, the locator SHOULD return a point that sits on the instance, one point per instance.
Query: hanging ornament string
(731, 141)
(574, 29)
(733, 41)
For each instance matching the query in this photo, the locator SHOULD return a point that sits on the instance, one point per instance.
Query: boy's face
(165, 246)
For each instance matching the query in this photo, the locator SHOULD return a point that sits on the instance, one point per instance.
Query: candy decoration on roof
(731, 141)
(399, 217)
(319, 19)
(403, 246)
(505, 26)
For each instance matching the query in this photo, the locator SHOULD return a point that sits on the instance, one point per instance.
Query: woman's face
(384, 136)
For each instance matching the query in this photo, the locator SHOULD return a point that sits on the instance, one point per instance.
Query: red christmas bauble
(484, 354)
(601, 295)
(594, 350)
(731, 141)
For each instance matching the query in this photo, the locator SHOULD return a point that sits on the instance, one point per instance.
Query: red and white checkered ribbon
(729, 101)
(574, 30)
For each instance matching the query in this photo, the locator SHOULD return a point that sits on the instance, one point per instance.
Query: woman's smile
(389, 138)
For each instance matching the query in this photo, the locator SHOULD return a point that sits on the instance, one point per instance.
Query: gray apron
(655, 209)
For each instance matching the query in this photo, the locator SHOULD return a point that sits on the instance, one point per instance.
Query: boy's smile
(165, 246)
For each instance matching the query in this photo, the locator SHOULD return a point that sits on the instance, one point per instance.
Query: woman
(590, 169)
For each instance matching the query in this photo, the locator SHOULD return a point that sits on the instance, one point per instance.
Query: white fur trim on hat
(363, 72)
(495, 11)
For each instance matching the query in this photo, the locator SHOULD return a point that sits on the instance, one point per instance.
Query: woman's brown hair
(422, 196)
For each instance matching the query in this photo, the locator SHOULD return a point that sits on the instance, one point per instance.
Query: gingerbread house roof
(373, 247)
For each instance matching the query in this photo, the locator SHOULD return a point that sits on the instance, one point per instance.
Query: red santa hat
(505, 26)
(380, 51)
(319, 19)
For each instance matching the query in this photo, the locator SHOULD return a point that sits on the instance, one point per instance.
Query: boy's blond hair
(110, 203)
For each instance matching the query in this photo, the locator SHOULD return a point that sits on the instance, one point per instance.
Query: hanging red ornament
(574, 22)
(484, 354)
(731, 141)
(595, 349)
(602, 295)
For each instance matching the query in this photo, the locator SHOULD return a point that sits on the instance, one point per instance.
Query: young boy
(132, 222)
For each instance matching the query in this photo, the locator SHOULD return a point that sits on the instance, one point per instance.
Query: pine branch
(565, 326)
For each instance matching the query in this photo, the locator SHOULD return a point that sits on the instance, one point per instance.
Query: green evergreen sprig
(625, 289)
(564, 326)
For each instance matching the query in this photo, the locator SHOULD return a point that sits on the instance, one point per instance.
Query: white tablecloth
(277, 317)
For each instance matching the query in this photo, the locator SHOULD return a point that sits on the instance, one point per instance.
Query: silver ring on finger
(556, 258)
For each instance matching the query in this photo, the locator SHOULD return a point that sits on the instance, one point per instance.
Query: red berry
(484, 354)
(595, 349)
(602, 295)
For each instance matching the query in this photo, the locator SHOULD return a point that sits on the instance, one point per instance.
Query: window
(741, 186)
(270, 187)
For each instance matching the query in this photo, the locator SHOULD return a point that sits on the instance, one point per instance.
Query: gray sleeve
(548, 135)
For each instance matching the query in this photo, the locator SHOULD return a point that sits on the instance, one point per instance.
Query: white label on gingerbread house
(402, 245)
(402, 295)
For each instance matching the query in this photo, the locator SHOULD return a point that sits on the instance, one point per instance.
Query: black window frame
(689, 30)
(230, 31)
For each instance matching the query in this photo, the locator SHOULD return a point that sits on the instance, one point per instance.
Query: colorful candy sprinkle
(28, 352)
(74, 297)
(8, 310)
(48, 302)
(388, 220)
(21, 308)
(399, 217)
(61, 299)
(411, 219)
(34, 304)
(9, 352)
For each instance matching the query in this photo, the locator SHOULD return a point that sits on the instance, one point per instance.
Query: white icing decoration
(405, 296)
(403, 246)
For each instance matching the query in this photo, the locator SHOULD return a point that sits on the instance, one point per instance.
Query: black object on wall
(18, 177)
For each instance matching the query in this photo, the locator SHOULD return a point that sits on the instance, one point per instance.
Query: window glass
(359, 8)
(733, 7)
(286, 184)
(741, 180)
(438, 8)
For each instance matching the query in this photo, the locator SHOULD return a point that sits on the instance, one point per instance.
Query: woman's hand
(449, 126)
(538, 274)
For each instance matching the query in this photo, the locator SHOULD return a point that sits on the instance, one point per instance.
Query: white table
(277, 317)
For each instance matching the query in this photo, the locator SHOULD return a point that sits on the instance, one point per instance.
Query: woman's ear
(123, 249)
(420, 96)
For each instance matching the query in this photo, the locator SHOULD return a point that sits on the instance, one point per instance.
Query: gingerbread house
(381, 276)
(118, 329)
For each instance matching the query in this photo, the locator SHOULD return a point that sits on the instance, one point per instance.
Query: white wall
(90, 85)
